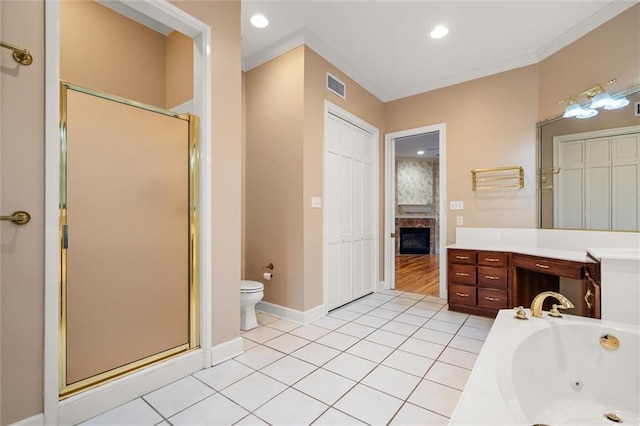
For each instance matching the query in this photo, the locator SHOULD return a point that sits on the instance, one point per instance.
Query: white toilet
(251, 292)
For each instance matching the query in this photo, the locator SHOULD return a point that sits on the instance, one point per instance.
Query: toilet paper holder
(269, 266)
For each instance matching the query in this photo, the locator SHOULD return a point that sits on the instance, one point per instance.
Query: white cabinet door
(349, 203)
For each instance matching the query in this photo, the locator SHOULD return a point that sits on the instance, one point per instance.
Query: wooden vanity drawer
(493, 258)
(563, 268)
(493, 277)
(491, 298)
(466, 257)
(462, 295)
(462, 274)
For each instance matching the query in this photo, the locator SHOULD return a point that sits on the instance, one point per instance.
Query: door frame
(390, 201)
(330, 108)
(87, 404)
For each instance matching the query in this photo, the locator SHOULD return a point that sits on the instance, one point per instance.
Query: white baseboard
(37, 420)
(302, 317)
(382, 285)
(110, 395)
(226, 350)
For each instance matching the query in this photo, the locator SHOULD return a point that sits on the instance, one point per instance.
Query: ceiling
(385, 45)
(409, 146)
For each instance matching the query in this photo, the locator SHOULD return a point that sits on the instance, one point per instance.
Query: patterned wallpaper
(416, 176)
(414, 182)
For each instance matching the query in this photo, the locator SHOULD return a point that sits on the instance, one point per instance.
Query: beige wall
(610, 51)
(179, 69)
(105, 51)
(22, 127)
(358, 102)
(22, 180)
(274, 180)
(284, 146)
(490, 122)
(226, 160)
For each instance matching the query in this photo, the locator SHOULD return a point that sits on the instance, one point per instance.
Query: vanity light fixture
(259, 21)
(420, 152)
(599, 98)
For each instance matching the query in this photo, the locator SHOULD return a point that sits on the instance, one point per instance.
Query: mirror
(589, 169)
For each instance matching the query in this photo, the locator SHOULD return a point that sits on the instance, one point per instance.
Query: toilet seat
(247, 286)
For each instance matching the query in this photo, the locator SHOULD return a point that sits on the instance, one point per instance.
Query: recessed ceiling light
(439, 31)
(420, 152)
(259, 21)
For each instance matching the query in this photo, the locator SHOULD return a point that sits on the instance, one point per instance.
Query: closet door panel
(625, 197)
(626, 182)
(570, 210)
(346, 268)
(598, 198)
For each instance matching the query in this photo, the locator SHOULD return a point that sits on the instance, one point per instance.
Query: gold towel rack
(498, 178)
(21, 55)
(544, 173)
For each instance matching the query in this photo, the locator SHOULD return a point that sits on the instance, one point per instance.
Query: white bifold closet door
(598, 186)
(349, 202)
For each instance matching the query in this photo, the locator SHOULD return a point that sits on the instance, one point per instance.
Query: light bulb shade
(600, 100)
(617, 103)
(572, 110)
(587, 113)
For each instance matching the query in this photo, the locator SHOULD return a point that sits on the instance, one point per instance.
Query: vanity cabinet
(482, 282)
(478, 281)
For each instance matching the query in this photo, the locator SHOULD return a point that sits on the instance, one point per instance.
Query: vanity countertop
(572, 255)
(615, 253)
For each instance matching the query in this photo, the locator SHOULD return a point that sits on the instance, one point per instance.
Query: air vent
(336, 86)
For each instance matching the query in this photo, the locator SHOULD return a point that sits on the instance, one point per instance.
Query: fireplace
(414, 240)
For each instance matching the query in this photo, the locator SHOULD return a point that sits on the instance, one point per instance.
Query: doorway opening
(414, 215)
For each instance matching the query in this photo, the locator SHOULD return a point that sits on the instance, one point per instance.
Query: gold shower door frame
(67, 390)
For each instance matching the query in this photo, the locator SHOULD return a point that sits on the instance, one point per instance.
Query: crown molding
(306, 37)
(608, 12)
(463, 77)
(274, 50)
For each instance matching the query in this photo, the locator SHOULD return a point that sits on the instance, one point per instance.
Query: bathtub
(553, 371)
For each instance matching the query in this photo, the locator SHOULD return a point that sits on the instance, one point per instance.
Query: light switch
(636, 109)
(316, 202)
(456, 205)
(459, 221)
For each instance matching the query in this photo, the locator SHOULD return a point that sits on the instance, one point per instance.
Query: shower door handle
(19, 218)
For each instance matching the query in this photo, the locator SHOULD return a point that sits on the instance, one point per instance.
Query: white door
(569, 185)
(349, 201)
(598, 186)
(598, 183)
(626, 182)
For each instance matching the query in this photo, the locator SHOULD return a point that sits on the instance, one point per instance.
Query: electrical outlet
(459, 220)
(316, 202)
(456, 205)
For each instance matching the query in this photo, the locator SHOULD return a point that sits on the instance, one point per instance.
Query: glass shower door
(128, 231)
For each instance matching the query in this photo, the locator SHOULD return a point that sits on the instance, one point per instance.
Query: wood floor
(418, 273)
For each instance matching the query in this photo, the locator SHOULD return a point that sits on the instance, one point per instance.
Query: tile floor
(389, 358)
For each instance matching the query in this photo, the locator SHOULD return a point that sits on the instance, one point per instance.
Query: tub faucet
(536, 305)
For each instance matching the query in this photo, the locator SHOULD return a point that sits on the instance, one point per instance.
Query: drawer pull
(462, 274)
(462, 257)
(462, 294)
(542, 266)
(492, 259)
(491, 277)
(492, 299)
